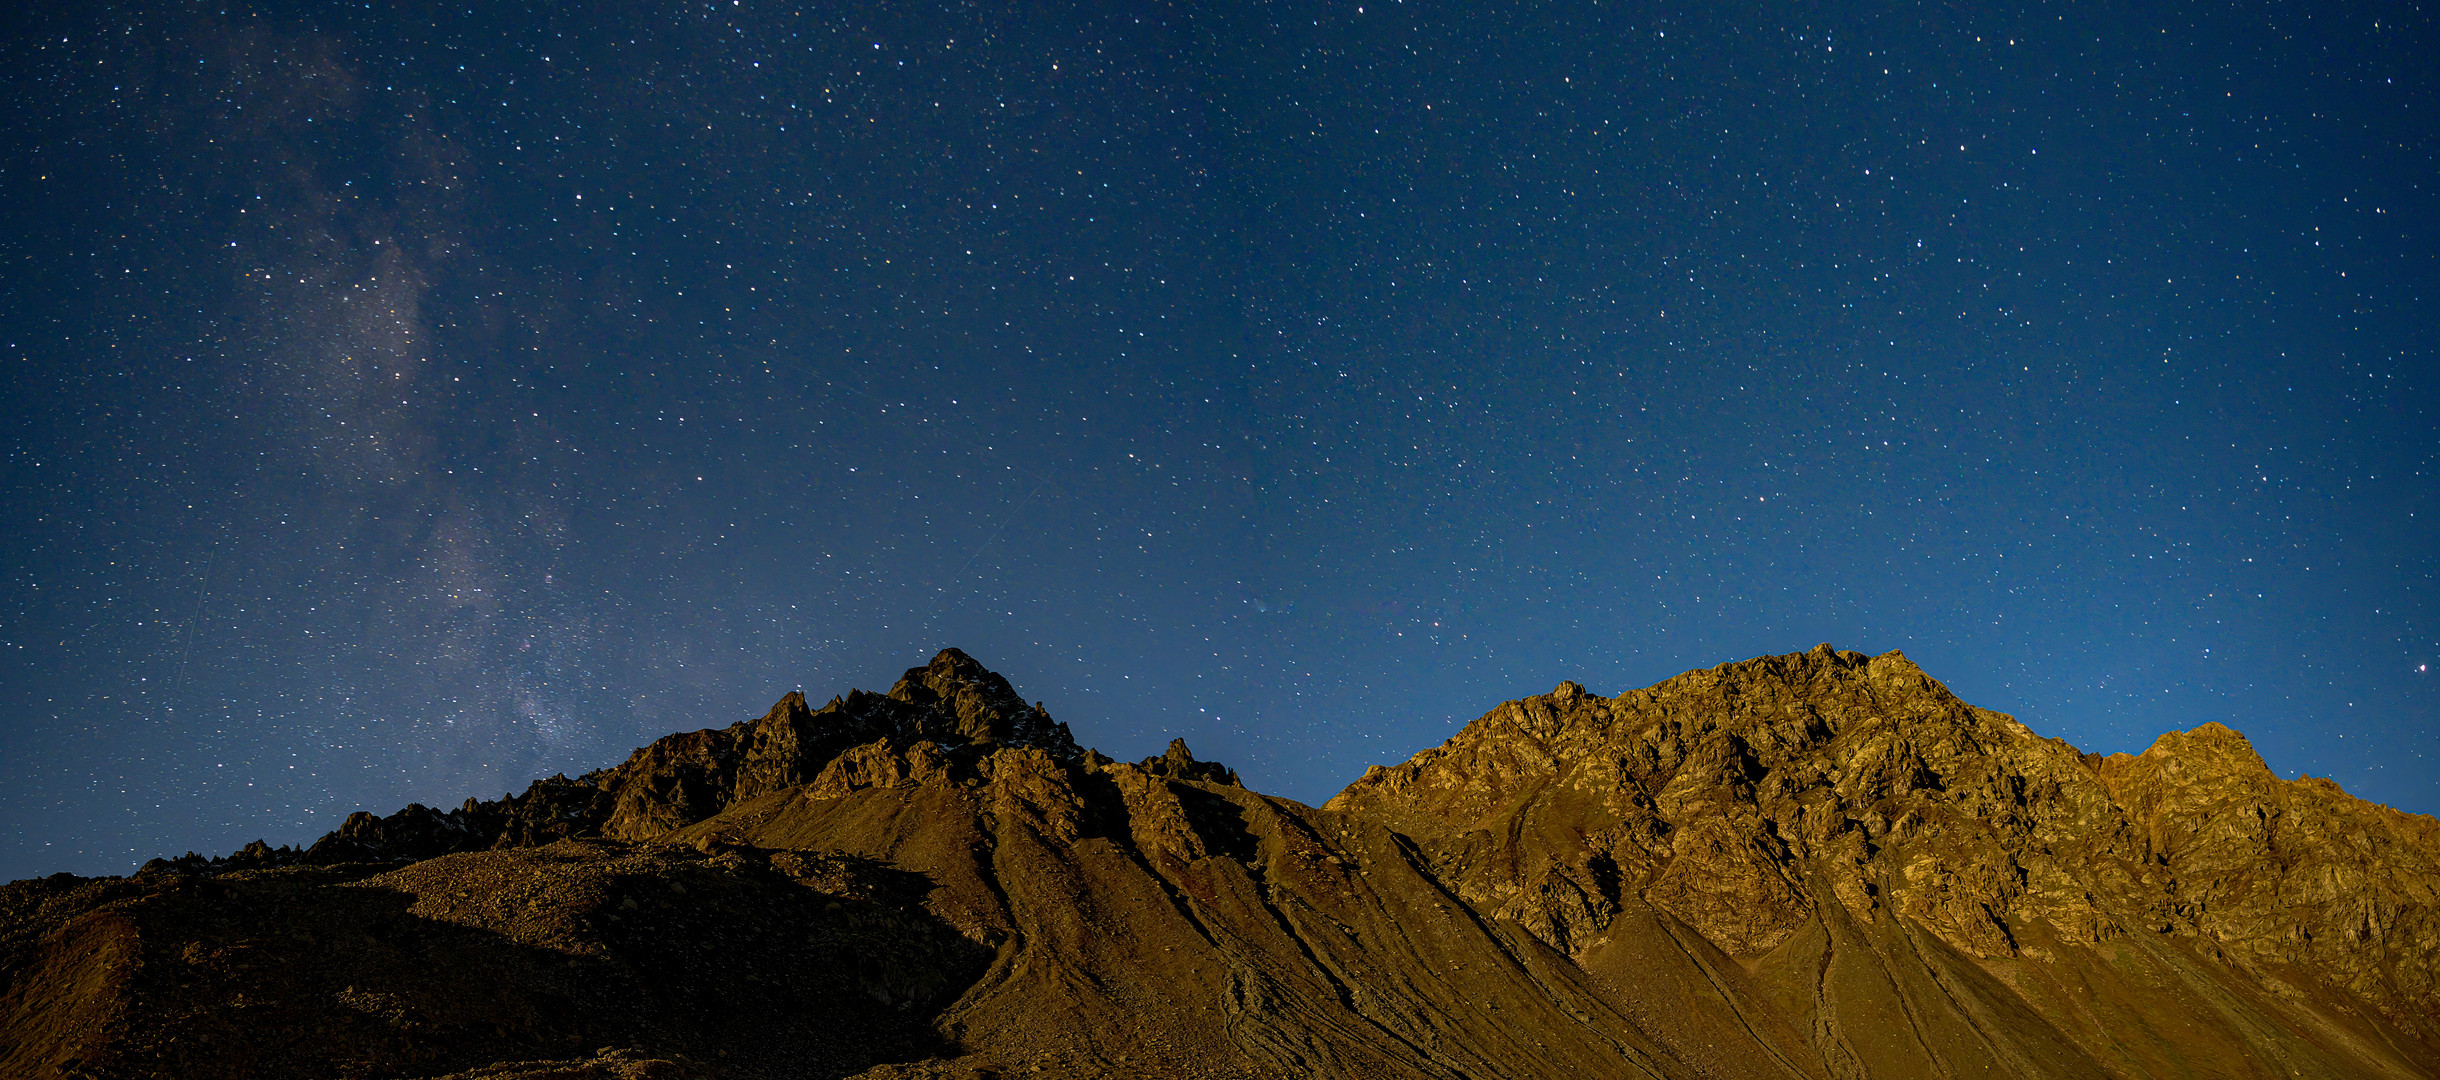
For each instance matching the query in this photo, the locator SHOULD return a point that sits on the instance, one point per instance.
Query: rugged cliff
(1919, 882)
(1813, 865)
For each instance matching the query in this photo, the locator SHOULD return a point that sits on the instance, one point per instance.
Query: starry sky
(403, 401)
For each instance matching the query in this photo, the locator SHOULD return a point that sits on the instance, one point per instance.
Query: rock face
(1814, 865)
(953, 703)
(1821, 815)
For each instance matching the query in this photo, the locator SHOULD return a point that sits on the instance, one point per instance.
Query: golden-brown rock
(1822, 815)
(1820, 865)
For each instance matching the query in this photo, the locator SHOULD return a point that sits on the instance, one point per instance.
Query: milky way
(400, 407)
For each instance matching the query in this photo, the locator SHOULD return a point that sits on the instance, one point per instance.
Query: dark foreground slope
(1816, 865)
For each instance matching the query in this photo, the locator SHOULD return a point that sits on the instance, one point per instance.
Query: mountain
(1818, 865)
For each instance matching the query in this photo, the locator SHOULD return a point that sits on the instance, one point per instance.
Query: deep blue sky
(403, 402)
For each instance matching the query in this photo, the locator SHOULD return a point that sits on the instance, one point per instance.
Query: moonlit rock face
(986, 709)
(1822, 864)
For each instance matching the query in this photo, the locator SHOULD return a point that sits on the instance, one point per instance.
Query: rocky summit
(1818, 865)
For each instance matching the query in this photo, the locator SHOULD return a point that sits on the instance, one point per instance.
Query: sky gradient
(407, 401)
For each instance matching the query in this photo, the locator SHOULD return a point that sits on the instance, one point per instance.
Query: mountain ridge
(1818, 864)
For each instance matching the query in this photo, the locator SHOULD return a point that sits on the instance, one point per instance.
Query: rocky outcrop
(1775, 805)
(2284, 876)
(1815, 865)
(1179, 764)
(953, 705)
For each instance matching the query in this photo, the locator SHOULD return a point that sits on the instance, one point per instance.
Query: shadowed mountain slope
(1820, 865)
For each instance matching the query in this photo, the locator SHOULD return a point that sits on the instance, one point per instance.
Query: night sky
(401, 402)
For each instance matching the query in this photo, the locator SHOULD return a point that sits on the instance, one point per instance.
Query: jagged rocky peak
(953, 703)
(953, 710)
(1706, 794)
(1880, 720)
(1179, 764)
(980, 705)
(2210, 750)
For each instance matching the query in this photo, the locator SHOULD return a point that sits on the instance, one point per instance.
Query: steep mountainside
(1928, 888)
(1815, 865)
